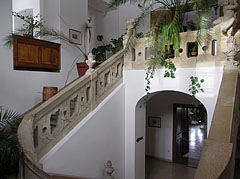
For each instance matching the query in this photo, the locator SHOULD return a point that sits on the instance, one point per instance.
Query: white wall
(96, 139)
(19, 5)
(159, 140)
(135, 85)
(21, 90)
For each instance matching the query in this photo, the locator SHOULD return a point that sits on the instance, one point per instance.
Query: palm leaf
(117, 3)
(9, 146)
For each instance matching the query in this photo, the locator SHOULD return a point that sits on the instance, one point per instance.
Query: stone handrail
(218, 153)
(44, 126)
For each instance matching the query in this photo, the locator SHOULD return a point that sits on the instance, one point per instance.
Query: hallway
(158, 169)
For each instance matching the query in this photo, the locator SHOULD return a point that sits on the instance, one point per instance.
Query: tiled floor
(197, 133)
(157, 169)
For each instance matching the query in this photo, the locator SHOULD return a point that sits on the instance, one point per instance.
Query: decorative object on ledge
(90, 62)
(82, 67)
(75, 36)
(109, 170)
(36, 55)
(48, 92)
(192, 48)
(154, 122)
(232, 49)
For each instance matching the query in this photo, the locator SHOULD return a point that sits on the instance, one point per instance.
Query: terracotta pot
(193, 53)
(48, 92)
(82, 67)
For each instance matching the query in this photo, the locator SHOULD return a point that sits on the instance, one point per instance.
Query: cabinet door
(27, 54)
(50, 58)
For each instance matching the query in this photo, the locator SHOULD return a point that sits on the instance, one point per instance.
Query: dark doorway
(189, 130)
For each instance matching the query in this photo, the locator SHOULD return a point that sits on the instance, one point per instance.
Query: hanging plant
(162, 35)
(195, 86)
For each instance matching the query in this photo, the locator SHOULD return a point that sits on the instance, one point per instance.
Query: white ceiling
(100, 5)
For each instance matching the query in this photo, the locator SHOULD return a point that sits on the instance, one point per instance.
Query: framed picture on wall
(75, 36)
(154, 121)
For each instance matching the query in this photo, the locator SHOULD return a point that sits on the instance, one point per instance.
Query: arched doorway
(161, 121)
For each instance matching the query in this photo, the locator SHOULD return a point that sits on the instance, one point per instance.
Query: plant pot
(48, 92)
(193, 53)
(82, 67)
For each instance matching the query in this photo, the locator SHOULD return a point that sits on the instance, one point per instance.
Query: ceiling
(100, 5)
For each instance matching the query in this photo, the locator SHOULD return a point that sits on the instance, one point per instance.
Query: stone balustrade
(210, 52)
(44, 126)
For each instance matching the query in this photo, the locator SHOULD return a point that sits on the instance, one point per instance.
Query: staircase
(44, 126)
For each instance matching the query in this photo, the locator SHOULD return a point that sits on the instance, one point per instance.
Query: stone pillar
(128, 55)
(109, 170)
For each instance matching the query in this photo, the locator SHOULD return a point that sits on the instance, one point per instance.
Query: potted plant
(31, 28)
(100, 53)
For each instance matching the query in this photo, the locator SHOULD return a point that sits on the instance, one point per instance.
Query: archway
(154, 126)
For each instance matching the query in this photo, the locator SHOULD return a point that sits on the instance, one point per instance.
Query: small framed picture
(75, 36)
(154, 122)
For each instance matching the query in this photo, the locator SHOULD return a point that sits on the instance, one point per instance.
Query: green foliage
(114, 46)
(9, 146)
(195, 86)
(31, 23)
(31, 28)
(162, 35)
(117, 44)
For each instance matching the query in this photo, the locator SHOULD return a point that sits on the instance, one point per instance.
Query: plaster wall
(135, 85)
(98, 138)
(21, 90)
(159, 140)
(19, 5)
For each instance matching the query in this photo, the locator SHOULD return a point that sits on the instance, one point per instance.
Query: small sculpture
(232, 49)
(109, 170)
(227, 21)
(90, 62)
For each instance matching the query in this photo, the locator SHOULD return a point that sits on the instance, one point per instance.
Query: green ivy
(195, 86)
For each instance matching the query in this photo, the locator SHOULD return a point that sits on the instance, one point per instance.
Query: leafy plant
(114, 46)
(162, 34)
(195, 86)
(9, 146)
(117, 44)
(31, 28)
(100, 51)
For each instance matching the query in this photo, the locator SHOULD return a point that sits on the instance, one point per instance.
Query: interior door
(182, 133)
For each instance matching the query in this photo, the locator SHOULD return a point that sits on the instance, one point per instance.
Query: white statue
(229, 15)
(109, 170)
(90, 62)
(232, 49)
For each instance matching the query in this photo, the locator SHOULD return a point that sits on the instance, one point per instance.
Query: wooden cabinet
(34, 54)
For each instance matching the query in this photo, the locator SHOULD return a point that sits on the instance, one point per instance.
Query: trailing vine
(161, 35)
(195, 87)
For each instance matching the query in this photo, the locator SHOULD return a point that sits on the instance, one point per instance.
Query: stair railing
(44, 126)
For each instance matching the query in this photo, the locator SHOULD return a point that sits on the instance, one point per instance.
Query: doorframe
(175, 106)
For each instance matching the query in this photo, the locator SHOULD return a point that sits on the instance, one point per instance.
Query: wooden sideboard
(36, 55)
